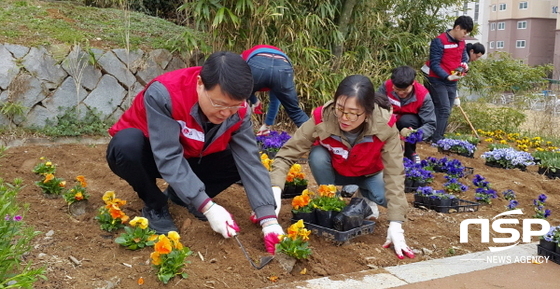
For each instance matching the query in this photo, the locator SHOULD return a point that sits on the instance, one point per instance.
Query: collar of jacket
(376, 124)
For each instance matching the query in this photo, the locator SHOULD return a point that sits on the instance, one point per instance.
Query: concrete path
(517, 267)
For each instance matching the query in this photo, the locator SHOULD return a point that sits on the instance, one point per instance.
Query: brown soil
(219, 262)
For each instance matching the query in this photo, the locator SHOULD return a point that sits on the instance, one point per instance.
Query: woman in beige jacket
(353, 140)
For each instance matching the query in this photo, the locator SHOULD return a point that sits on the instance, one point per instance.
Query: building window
(520, 44)
(493, 26)
(499, 44)
(523, 5)
(494, 7)
(476, 12)
(501, 25)
(502, 6)
(521, 24)
(491, 44)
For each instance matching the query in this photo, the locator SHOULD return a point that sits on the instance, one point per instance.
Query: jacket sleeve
(254, 175)
(291, 151)
(436, 54)
(382, 89)
(427, 117)
(393, 176)
(166, 148)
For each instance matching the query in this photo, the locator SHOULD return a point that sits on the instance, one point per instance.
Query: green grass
(33, 23)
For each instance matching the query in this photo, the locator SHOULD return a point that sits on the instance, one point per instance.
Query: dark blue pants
(130, 157)
(443, 94)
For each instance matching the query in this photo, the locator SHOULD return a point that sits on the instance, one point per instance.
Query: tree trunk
(343, 23)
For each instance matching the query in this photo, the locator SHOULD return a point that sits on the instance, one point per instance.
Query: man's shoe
(170, 193)
(416, 158)
(159, 220)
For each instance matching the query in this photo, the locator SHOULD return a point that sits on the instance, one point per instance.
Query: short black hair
(465, 22)
(230, 71)
(476, 48)
(403, 76)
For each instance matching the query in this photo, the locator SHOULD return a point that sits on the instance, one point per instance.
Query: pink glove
(395, 235)
(465, 67)
(271, 233)
(221, 221)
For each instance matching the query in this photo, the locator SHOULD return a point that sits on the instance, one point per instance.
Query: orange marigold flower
(163, 246)
(108, 196)
(290, 177)
(79, 196)
(156, 259)
(48, 177)
(82, 180)
(327, 191)
(62, 184)
(300, 201)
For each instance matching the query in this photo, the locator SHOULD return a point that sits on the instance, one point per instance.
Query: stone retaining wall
(47, 82)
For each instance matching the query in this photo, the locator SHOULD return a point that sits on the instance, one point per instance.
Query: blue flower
(509, 195)
(512, 205)
(415, 137)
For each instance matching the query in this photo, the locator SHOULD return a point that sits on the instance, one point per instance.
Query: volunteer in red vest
(273, 72)
(446, 66)
(354, 140)
(191, 127)
(412, 105)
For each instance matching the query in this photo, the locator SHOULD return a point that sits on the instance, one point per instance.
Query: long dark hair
(360, 86)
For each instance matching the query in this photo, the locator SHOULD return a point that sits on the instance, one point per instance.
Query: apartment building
(528, 30)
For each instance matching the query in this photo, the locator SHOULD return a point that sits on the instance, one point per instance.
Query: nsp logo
(497, 227)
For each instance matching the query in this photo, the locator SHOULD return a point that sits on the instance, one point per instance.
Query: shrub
(15, 271)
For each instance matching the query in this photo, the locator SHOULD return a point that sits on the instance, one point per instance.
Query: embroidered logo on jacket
(395, 102)
(190, 133)
(336, 150)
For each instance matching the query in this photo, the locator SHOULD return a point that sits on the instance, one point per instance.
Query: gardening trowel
(264, 260)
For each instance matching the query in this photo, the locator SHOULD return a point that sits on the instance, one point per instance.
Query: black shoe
(159, 220)
(170, 193)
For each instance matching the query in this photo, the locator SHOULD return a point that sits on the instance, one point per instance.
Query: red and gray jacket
(446, 54)
(363, 159)
(181, 85)
(412, 107)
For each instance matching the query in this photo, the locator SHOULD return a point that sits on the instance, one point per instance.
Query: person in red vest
(273, 72)
(412, 105)
(353, 139)
(192, 128)
(447, 65)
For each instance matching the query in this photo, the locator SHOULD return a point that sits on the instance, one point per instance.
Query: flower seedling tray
(554, 257)
(463, 206)
(340, 236)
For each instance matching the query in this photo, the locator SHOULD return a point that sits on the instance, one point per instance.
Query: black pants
(130, 157)
(413, 121)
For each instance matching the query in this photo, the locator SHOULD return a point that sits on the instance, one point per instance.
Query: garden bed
(217, 262)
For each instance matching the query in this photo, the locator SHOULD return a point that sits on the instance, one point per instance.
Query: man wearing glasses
(412, 105)
(191, 127)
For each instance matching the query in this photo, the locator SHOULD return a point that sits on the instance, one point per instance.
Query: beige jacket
(392, 154)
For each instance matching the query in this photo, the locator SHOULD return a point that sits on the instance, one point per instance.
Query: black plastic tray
(554, 257)
(340, 236)
(463, 206)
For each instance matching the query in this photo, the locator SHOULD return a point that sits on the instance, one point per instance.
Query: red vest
(181, 85)
(363, 159)
(413, 107)
(452, 54)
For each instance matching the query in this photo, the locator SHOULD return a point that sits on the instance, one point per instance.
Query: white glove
(457, 102)
(277, 192)
(406, 131)
(453, 77)
(271, 232)
(221, 221)
(395, 235)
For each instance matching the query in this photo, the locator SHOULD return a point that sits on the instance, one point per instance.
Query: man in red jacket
(192, 128)
(412, 105)
(448, 57)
